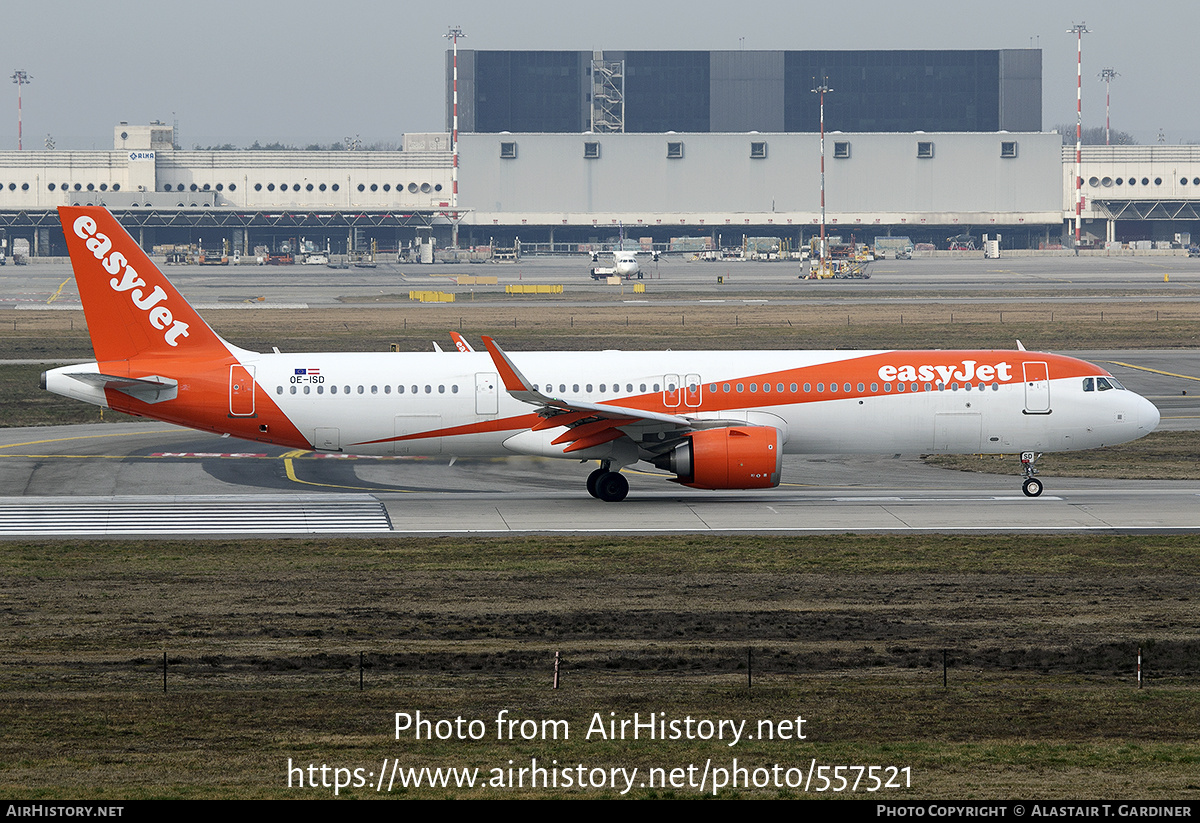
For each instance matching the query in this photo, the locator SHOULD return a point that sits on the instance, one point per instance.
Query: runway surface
(135, 463)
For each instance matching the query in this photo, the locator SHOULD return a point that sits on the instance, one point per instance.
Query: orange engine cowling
(738, 457)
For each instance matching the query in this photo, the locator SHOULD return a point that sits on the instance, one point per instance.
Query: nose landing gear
(1032, 486)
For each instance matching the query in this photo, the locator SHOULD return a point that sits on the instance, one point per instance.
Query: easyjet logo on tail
(127, 280)
(964, 370)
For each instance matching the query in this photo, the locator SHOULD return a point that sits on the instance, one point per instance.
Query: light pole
(21, 78)
(453, 35)
(1079, 30)
(1107, 75)
(821, 91)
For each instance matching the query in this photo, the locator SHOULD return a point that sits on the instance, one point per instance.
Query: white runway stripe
(192, 514)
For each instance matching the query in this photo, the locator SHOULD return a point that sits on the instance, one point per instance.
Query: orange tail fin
(131, 308)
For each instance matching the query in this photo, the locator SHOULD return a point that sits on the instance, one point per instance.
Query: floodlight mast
(1107, 75)
(1079, 30)
(21, 78)
(821, 91)
(453, 34)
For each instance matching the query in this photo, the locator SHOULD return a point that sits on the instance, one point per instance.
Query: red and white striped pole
(20, 78)
(453, 35)
(1107, 75)
(1079, 29)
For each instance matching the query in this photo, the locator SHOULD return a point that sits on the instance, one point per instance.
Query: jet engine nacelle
(738, 457)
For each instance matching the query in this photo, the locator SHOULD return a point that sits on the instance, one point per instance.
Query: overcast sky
(306, 72)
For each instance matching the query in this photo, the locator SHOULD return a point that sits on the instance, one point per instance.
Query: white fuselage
(625, 263)
(362, 402)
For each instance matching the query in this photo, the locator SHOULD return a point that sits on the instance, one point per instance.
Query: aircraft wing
(588, 424)
(517, 385)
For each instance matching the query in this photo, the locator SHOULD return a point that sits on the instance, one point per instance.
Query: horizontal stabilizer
(153, 389)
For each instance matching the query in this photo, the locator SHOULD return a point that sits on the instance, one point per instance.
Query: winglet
(514, 381)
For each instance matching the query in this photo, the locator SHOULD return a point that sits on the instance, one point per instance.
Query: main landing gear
(1032, 486)
(609, 486)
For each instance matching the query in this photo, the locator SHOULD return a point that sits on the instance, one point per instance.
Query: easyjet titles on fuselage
(160, 316)
(964, 371)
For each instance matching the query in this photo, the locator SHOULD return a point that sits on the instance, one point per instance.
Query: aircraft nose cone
(1148, 416)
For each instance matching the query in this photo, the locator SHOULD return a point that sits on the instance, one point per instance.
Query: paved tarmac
(528, 495)
(674, 280)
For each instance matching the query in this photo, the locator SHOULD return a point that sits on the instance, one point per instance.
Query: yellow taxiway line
(87, 437)
(1147, 368)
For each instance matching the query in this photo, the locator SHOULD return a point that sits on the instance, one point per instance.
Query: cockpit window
(1089, 384)
(1102, 384)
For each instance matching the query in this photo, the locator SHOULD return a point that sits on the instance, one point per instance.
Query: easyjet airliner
(714, 420)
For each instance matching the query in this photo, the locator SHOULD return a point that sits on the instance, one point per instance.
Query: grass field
(263, 641)
(537, 326)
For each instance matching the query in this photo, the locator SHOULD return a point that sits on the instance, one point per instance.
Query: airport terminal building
(932, 184)
(718, 145)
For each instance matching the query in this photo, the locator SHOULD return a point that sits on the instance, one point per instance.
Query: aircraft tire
(1032, 487)
(593, 480)
(612, 487)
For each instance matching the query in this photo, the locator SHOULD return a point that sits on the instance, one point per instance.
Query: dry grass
(533, 325)
(263, 640)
